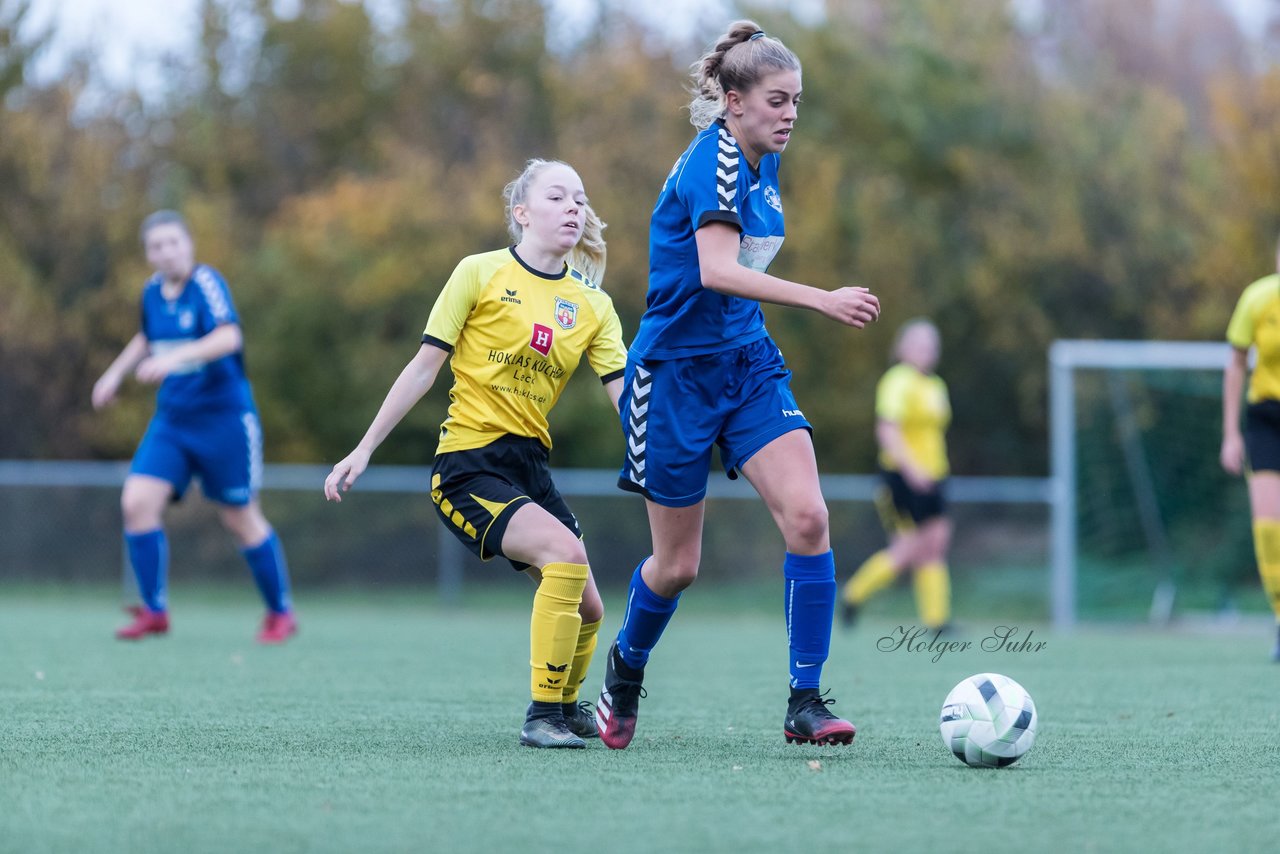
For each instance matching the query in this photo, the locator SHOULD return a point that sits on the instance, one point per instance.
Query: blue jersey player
(703, 372)
(205, 425)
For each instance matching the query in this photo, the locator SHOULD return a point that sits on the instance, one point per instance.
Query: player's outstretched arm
(104, 390)
(1232, 454)
(414, 381)
(718, 260)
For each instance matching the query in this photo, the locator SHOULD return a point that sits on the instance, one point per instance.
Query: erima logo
(554, 669)
(510, 296)
(789, 413)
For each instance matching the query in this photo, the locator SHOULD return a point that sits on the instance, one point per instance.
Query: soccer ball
(988, 721)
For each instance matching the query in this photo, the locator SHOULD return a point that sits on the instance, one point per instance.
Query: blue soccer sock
(810, 605)
(646, 616)
(270, 573)
(149, 555)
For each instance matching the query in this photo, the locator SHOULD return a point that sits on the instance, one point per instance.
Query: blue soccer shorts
(674, 411)
(224, 449)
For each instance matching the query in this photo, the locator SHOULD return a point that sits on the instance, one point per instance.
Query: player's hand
(104, 390)
(853, 306)
(154, 369)
(344, 474)
(918, 480)
(1232, 454)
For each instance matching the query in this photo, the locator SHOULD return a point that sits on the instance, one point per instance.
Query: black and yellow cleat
(848, 615)
(550, 732)
(581, 719)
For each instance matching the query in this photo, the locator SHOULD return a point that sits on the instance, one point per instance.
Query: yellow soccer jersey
(516, 336)
(1256, 321)
(919, 405)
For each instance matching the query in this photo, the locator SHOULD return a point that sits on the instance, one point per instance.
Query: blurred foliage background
(1096, 169)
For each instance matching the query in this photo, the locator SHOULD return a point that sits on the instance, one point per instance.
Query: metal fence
(70, 509)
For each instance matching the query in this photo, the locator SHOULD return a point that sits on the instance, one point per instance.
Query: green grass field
(390, 725)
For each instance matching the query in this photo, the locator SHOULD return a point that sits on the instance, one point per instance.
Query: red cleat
(277, 628)
(144, 623)
(809, 721)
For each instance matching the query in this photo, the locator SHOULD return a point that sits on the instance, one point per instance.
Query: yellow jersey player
(912, 414)
(514, 324)
(1256, 323)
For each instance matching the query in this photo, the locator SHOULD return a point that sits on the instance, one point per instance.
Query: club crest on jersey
(186, 319)
(566, 313)
(542, 338)
(771, 196)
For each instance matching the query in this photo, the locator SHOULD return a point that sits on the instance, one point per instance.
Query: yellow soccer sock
(1266, 545)
(875, 574)
(933, 593)
(553, 628)
(581, 660)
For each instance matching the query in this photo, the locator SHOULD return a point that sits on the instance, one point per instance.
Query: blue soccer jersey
(203, 305)
(711, 182)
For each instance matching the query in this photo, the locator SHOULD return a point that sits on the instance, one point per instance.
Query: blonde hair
(737, 62)
(588, 256)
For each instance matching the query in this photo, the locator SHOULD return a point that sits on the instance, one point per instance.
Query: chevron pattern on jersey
(727, 172)
(638, 424)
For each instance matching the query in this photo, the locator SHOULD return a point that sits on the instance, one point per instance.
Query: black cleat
(848, 615)
(550, 732)
(619, 703)
(810, 722)
(581, 719)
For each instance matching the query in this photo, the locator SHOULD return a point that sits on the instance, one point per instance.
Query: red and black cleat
(277, 628)
(144, 623)
(619, 704)
(810, 722)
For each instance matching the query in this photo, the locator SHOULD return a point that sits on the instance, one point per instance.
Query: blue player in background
(703, 371)
(205, 424)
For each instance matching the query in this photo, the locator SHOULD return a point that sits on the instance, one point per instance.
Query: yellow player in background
(1256, 323)
(912, 414)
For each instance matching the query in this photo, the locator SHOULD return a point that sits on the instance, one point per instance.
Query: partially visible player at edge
(514, 323)
(703, 371)
(912, 413)
(1256, 323)
(205, 424)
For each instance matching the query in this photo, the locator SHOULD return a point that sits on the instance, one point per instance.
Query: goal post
(1135, 459)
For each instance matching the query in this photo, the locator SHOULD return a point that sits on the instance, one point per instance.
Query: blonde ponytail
(589, 255)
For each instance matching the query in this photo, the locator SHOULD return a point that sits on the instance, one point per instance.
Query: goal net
(1145, 522)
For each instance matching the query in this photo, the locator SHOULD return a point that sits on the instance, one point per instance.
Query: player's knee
(246, 524)
(567, 549)
(141, 511)
(807, 525)
(676, 574)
